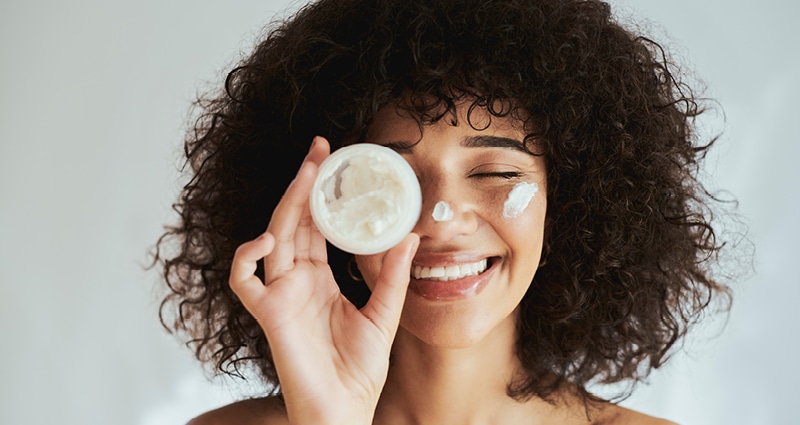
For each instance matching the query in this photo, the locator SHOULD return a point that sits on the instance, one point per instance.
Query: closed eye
(508, 175)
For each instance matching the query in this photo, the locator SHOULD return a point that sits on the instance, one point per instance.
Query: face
(474, 262)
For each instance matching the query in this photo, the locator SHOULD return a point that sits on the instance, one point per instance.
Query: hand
(332, 359)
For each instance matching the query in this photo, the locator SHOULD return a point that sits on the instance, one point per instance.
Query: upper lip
(438, 259)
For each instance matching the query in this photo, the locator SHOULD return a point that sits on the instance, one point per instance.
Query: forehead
(397, 121)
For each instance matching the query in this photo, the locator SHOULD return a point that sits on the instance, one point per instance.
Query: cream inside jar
(366, 199)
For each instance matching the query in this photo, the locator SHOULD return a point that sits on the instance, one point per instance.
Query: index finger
(285, 220)
(292, 209)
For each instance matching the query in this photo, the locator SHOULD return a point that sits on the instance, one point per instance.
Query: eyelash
(507, 175)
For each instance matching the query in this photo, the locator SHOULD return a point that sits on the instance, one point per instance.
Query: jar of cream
(366, 199)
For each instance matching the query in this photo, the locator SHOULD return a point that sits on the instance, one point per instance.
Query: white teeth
(437, 272)
(449, 272)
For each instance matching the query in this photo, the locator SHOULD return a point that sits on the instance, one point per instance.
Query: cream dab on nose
(518, 199)
(442, 211)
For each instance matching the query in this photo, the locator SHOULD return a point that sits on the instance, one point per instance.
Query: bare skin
(270, 411)
(451, 360)
(307, 320)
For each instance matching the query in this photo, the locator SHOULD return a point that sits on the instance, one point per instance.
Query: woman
(593, 281)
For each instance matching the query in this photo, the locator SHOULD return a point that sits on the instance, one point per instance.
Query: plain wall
(93, 101)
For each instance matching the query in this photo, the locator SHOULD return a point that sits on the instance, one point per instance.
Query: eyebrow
(494, 142)
(468, 142)
(400, 146)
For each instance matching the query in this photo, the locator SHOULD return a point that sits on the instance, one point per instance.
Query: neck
(437, 385)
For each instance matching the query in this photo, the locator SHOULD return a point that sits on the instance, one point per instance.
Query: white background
(93, 100)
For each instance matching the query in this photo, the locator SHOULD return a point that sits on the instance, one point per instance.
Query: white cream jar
(366, 199)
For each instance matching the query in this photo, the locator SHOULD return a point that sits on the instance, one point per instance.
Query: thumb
(386, 302)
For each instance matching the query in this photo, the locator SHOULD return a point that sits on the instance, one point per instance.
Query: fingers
(318, 251)
(286, 218)
(245, 261)
(291, 222)
(320, 149)
(302, 236)
(386, 302)
(309, 242)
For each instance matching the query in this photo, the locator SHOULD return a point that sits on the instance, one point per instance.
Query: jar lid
(366, 199)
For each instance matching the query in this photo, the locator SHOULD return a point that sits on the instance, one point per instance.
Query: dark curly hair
(629, 249)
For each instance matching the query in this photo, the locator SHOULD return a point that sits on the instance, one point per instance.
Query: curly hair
(629, 247)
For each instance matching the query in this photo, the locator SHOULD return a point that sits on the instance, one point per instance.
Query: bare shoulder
(256, 411)
(618, 415)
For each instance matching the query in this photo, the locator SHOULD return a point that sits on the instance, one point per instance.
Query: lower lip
(451, 290)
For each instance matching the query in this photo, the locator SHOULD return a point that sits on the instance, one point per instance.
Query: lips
(452, 281)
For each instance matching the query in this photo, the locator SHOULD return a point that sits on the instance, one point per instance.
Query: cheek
(491, 200)
(512, 203)
(531, 221)
(523, 228)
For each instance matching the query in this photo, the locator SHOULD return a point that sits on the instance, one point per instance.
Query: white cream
(518, 199)
(366, 199)
(442, 211)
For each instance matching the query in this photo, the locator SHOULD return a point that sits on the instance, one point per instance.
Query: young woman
(593, 281)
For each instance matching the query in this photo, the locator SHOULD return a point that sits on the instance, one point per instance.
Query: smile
(451, 272)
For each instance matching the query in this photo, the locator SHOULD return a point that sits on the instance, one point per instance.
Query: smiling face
(471, 269)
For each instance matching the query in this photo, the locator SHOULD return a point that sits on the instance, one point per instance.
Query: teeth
(450, 272)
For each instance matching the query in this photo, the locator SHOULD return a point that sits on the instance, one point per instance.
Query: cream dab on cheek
(442, 211)
(518, 199)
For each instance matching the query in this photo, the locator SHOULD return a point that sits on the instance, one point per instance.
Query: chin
(454, 325)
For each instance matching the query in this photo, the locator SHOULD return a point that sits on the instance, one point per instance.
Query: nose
(435, 223)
